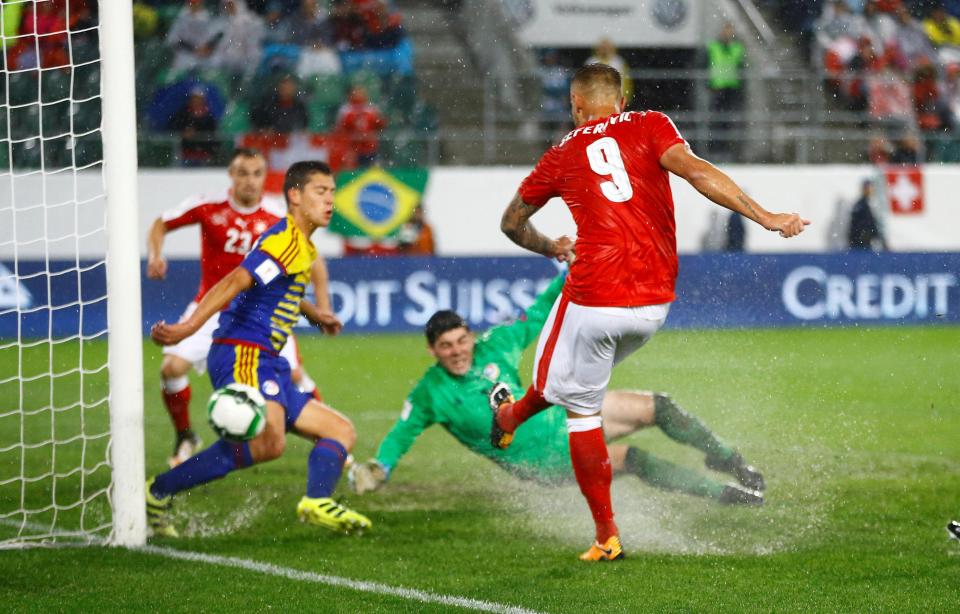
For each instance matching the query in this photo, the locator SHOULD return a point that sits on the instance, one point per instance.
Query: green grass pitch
(856, 430)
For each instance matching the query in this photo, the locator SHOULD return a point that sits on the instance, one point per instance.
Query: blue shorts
(265, 371)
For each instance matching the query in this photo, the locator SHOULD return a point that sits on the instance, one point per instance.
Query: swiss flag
(905, 188)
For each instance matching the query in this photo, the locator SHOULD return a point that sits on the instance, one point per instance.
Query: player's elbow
(508, 226)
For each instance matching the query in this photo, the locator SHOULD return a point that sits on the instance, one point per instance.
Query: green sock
(686, 428)
(668, 476)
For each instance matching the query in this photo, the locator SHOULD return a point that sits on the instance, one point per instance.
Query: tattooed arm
(516, 225)
(718, 187)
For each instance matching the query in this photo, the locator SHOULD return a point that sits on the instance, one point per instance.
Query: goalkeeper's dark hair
(245, 152)
(594, 77)
(441, 322)
(298, 175)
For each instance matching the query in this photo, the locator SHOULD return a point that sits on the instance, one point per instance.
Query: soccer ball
(237, 412)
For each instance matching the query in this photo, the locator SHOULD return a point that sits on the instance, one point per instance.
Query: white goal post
(71, 341)
(123, 272)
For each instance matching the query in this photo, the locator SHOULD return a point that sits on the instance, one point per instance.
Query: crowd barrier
(399, 294)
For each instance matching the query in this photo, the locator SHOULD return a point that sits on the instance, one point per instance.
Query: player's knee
(296, 374)
(344, 433)
(661, 402)
(173, 369)
(274, 445)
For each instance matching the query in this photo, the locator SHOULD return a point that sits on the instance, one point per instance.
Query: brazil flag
(374, 202)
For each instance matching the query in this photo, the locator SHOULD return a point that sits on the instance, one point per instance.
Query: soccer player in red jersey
(612, 171)
(229, 226)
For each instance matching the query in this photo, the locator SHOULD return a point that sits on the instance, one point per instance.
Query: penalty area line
(363, 586)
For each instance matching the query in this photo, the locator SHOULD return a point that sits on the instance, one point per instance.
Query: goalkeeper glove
(367, 477)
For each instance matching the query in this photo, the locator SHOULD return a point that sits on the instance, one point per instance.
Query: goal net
(62, 280)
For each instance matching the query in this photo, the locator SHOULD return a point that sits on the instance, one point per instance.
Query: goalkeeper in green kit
(454, 394)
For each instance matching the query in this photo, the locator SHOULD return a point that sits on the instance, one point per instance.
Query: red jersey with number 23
(608, 173)
(227, 232)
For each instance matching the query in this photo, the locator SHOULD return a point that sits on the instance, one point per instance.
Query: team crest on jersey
(218, 219)
(491, 372)
(270, 388)
(259, 227)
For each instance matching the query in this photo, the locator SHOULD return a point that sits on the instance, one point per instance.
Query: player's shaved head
(597, 82)
(595, 93)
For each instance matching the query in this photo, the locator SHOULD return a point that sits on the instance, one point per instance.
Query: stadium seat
(402, 93)
(425, 118)
(22, 88)
(279, 58)
(55, 85)
(56, 119)
(26, 154)
(86, 82)
(154, 151)
(88, 149)
(322, 115)
(24, 121)
(86, 116)
(330, 89)
(236, 118)
(371, 82)
(57, 153)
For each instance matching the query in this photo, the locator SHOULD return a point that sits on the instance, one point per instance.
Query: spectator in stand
(725, 57)
(384, 29)
(879, 150)
(951, 88)
(907, 150)
(197, 127)
(942, 29)
(239, 49)
(309, 24)
(933, 113)
(318, 59)
(283, 111)
(554, 92)
(416, 235)
(606, 53)
(361, 122)
(193, 37)
(277, 31)
(838, 22)
(864, 232)
(736, 236)
(911, 40)
(348, 25)
(47, 21)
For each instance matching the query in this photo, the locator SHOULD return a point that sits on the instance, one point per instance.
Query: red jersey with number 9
(227, 232)
(608, 173)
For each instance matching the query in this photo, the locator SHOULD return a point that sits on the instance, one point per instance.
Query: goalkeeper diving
(454, 394)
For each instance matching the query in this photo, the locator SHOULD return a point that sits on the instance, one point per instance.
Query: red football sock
(178, 406)
(515, 414)
(316, 394)
(591, 465)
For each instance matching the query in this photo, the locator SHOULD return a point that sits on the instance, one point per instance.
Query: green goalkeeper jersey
(459, 403)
